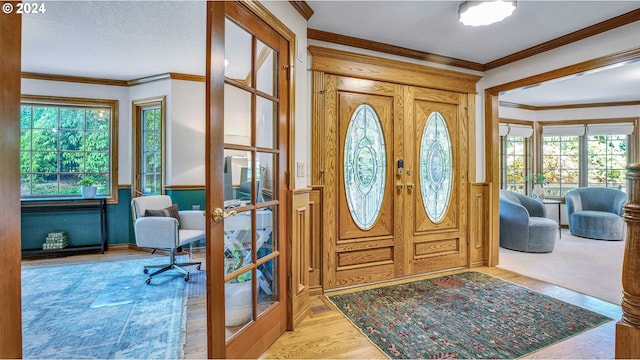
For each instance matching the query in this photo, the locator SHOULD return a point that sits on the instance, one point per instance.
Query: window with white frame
(63, 141)
(515, 159)
(582, 155)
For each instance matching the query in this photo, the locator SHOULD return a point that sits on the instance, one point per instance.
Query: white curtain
(504, 129)
(563, 130)
(610, 129)
(520, 130)
(516, 130)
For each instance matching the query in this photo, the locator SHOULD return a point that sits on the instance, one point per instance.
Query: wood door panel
(366, 256)
(436, 248)
(383, 225)
(365, 273)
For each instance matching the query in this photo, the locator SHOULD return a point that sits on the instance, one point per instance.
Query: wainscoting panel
(82, 227)
(299, 283)
(479, 224)
(315, 240)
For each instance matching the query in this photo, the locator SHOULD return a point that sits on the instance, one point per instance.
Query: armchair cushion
(156, 232)
(523, 225)
(171, 211)
(596, 213)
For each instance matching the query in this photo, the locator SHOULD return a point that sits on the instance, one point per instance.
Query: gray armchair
(159, 225)
(524, 225)
(596, 213)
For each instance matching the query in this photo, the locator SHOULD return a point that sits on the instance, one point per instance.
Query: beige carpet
(592, 267)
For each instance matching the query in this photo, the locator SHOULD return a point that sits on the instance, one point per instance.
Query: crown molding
(75, 79)
(578, 35)
(569, 106)
(340, 62)
(627, 55)
(303, 8)
(516, 105)
(111, 82)
(391, 49)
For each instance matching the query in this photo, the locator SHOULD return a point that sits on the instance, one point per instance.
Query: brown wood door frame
(10, 248)
(252, 340)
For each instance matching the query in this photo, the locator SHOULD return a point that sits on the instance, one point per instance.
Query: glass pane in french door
(237, 57)
(265, 134)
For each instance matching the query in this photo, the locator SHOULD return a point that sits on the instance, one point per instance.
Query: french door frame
(215, 80)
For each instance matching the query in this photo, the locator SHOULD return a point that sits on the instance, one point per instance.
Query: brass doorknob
(219, 214)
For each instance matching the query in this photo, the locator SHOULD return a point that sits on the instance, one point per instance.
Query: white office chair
(165, 232)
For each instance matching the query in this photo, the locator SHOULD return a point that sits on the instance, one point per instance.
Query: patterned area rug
(103, 310)
(468, 315)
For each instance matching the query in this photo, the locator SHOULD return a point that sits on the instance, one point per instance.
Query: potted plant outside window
(87, 189)
(538, 181)
(237, 292)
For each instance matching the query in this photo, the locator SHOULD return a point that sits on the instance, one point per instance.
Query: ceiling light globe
(478, 13)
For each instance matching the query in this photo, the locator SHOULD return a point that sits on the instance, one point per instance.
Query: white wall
(140, 92)
(186, 133)
(104, 92)
(611, 112)
(185, 112)
(302, 125)
(613, 41)
(185, 121)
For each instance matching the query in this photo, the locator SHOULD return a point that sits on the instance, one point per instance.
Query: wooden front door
(396, 181)
(365, 228)
(247, 143)
(435, 181)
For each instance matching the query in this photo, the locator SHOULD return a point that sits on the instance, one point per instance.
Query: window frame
(528, 153)
(59, 101)
(632, 145)
(136, 151)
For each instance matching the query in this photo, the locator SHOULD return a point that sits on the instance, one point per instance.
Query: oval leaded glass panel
(365, 162)
(435, 167)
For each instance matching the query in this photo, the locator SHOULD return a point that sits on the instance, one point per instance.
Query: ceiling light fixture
(476, 13)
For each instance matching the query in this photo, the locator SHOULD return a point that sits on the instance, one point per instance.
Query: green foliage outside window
(514, 164)
(60, 145)
(152, 150)
(605, 165)
(607, 160)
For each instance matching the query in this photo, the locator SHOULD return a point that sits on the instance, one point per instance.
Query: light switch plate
(300, 169)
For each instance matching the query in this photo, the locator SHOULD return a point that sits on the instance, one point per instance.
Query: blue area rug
(103, 310)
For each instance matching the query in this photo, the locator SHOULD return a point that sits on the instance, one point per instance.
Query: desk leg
(560, 220)
(104, 234)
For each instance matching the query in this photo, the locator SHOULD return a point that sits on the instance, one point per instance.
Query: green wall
(187, 198)
(83, 227)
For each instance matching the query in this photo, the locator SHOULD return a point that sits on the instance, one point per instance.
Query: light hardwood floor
(326, 333)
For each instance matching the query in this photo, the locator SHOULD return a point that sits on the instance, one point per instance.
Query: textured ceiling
(432, 26)
(125, 40)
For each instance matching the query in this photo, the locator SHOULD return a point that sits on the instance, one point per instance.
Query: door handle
(219, 214)
(409, 187)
